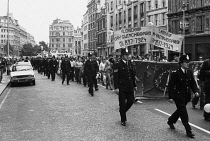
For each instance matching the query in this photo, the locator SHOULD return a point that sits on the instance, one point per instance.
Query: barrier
(154, 77)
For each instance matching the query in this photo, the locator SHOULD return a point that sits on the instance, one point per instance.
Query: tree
(45, 46)
(11, 49)
(27, 50)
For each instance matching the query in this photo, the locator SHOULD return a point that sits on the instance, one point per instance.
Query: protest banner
(166, 40)
(132, 36)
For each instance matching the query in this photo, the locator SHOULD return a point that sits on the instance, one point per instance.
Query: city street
(50, 111)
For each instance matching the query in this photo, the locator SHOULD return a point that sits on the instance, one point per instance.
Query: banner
(166, 40)
(132, 36)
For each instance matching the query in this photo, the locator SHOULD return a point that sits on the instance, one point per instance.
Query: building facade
(61, 36)
(18, 36)
(92, 38)
(194, 26)
(157, 14)
(77, 42)
(126, 14)
(84, 34)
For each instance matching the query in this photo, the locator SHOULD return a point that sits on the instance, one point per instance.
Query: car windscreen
(22, 68)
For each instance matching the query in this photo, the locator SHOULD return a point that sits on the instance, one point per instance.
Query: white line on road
(4, 99)
(204, 130)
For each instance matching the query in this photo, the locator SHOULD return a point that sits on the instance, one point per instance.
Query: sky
(36, 15)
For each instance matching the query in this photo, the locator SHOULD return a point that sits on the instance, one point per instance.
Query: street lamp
(8, 29)
(183, 24)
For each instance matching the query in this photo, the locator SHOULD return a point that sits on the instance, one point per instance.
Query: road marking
(204, 130)
(4, 99)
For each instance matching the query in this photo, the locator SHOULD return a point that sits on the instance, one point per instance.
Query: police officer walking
(126, 85)
(65, 67)
(91, 70)
(53, 66)
(179, 92)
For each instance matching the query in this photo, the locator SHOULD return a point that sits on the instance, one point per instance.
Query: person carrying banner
(179, 91)
(126, 85)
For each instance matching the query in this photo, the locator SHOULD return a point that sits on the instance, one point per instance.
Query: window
(69, 39)
(124, 16)
(63, 45)
(156, 19)
(129, 14)
(111, 21)
(207, 23)
(156, 4)
(164, 3)
(149, 5)
(111, 5)
(135, 12)
(199, 24)
(164, 16)
(149, 18)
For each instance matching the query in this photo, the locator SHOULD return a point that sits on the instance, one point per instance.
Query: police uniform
(179, 90)
(205, 78)
(126, 83)
(65, 67)
(91, 69)
(53, 66)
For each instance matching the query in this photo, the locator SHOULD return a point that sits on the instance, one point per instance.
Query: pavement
(5, 82)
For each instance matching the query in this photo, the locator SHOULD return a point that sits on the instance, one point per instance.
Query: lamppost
(8, 29)
(183, 24)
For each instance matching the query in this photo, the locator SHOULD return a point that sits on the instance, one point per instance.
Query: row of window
(91, 35)
(157, 4)
(58, 39)
(199, 24)
(158, 19)
(60, 45)
(102, 38)
(55, 33)
(61, 28)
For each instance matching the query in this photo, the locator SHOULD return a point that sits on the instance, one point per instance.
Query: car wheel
(34, 82)
(12, 84)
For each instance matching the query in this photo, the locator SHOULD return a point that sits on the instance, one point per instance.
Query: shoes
(193, 105)
(96, 89)
(67, 83)
(91, 94)
(123, 123)
(207, 119)
(171, 125)
(191, 135)
(135, 100)
(62, 82)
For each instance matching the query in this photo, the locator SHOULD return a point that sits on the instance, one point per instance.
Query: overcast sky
(36, 15)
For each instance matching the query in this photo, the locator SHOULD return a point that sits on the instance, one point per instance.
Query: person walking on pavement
(53, 66)
(204, 76)
(66, 68)
(91, 70)
(126, 85)
(179, 91)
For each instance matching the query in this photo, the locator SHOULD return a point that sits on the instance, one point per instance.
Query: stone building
(84, 33)
(194, 26)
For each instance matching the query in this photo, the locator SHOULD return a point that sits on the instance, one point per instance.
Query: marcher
(66, 68)
(78, 67)
(179, 91)
(53, 66)
(204, 76)
(91, 70)
(126, 85)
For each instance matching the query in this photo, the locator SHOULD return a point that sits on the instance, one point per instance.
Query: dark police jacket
(125, 76)
(53, 64)
(65, 65)
(91, 68)
(180, 84)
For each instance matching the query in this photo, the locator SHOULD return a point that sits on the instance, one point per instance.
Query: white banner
(132, 36)
(166, 40)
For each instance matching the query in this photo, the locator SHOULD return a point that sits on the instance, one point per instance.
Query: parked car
(22, 72)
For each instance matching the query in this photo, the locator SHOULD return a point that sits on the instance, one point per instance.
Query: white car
(22, 72)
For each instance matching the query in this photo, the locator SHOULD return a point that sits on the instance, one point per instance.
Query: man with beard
(91, 70)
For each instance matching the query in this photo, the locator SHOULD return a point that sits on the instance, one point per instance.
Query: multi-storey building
(157, 14)
(77, 42)
(92, 38)
(84, 33)
(102, 30)
(192, 18)
(126, 14)
(17, 35)
(61, 35)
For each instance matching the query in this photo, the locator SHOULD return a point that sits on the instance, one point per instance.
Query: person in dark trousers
(53, 66)
(91, 70)
(126, 85)
(179, 91)
(204, 76)
(48, 67)
(65, 67)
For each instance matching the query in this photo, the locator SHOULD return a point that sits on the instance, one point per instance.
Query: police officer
(205, 78)
(126, 84)
(65, 67)
(179, 91)
(53, 66)
(91, 70)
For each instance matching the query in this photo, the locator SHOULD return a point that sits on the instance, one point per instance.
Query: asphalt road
(50, 111)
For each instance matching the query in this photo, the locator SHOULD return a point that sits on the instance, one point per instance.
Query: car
(22, 72)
